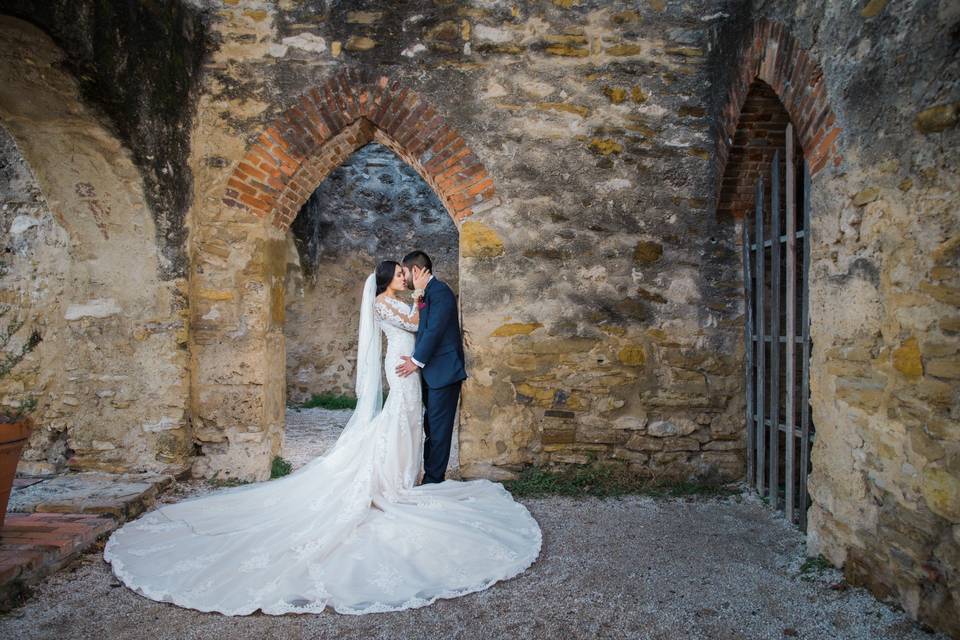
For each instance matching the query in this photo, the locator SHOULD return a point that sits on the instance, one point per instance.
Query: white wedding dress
(349, 530)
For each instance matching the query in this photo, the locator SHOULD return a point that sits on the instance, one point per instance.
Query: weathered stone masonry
(884, 304)
(580, 149)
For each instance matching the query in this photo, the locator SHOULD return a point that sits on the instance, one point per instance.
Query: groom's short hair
(418, 259)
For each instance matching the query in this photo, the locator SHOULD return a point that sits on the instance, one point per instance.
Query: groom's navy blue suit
(439, 348)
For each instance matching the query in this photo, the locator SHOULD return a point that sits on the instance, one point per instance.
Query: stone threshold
(119, 496)
(51, 521)
(35, 545)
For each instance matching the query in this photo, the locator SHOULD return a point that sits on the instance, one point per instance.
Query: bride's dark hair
(385, 271)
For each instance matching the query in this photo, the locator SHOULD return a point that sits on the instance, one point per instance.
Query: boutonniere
(418, 298)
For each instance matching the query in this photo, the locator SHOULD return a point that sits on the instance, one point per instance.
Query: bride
(350, 529)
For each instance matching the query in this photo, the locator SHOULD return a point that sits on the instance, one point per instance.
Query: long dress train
(349, 529)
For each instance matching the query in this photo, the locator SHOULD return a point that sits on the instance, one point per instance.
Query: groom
(438, 355)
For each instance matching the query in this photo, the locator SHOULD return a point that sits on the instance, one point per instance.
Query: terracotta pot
(13, 435)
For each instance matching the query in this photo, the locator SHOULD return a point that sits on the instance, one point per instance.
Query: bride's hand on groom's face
(420, 277)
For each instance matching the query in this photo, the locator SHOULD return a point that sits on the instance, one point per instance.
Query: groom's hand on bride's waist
(408, 367)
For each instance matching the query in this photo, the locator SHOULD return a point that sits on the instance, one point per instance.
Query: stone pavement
(51, 521)
(120, 496)
(637, 567)
(32, 546)
(631, 568)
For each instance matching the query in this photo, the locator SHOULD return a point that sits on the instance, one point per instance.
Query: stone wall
(884, 283)
(599, 298)
(137, 63)
(82, 268)
(372, 207)
(578, 149)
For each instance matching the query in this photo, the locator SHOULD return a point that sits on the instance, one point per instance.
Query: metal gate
(776, 259)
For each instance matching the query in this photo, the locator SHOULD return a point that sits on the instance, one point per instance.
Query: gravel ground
(636, 567)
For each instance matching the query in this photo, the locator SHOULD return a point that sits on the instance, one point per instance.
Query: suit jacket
(438, 343)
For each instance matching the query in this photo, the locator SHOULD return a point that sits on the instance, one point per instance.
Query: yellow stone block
(360, 43)
(632, 355)
(540, 395)
(867, 195)
(258, 15)
(907, 360)
(211, 294)
(616, 94)
(938, 118)
(941, 490)
(554, 38)
(567, 50)
(873, 8)
(623, 50)
(515, 329)
(477, 240)
(605, 146)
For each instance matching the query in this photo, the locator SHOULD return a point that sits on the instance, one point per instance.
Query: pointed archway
(238, 251)
(327, 124)
(772, 55)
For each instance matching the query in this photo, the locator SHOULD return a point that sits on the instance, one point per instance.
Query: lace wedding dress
(349, 529)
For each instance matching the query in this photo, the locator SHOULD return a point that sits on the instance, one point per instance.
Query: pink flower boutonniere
(418, 297)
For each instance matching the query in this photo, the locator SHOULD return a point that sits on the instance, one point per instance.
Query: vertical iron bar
(805, 333)
(791, 329)
(748, 351)
(761, 347)
(774, 375)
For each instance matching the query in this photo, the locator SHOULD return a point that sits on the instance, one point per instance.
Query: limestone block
(941, 490)
(672, 427)
(98, 308)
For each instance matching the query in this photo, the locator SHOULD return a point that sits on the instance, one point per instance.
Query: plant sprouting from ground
(279, 467)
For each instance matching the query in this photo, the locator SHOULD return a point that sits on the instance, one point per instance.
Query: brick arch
(773, 55)
(760, 133)
(328, 123)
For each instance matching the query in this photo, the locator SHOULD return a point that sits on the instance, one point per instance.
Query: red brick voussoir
(325, 125)
(774, 56)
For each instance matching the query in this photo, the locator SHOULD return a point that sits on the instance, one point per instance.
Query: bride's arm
(412, 318)
(395, 314)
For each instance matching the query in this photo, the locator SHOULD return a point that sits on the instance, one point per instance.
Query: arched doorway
(372, 207)
(766, 186)
(776, 131)
(240, 248)
(83, 270)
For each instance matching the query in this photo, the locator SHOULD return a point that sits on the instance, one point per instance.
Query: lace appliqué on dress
(395, 313)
